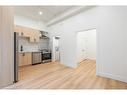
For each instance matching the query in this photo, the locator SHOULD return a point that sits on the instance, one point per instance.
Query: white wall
(112, 53)
(86, 45)
(6, 46)
(44, 44)
(66, 51)
(67, 30)
(24, 21)
(110, 23)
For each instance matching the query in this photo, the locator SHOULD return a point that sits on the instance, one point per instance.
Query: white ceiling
(49, 12)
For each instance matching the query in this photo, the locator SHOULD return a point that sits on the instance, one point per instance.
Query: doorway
(56, 48)
(86, 45)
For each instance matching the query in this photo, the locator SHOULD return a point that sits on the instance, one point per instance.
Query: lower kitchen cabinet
(25, 59)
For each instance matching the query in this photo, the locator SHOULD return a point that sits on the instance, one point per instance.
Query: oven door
(46, 56)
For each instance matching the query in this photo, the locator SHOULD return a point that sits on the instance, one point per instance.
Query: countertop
(28, 51)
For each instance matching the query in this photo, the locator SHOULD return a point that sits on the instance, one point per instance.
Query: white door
(81, 45)
(86, 45)
(57, 52)
(56, 49)
(91, 44)
(84, 48)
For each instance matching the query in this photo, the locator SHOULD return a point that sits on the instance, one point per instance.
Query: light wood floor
(56, 76)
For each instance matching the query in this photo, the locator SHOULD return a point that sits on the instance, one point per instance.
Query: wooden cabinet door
(21, 60)
(37, 36)
(26, 31)
(34, 36)
(32, 39)
(18, 29)
(25, 59)
(29, 58)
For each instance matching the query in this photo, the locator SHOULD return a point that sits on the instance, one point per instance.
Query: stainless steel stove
(41, 56)
(46, 55)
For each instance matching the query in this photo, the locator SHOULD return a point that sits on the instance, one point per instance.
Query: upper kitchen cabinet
(26, 31)
(23, 31)
(18, 29)
(32, 34)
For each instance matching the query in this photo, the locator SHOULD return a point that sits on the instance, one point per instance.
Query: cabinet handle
(23, 54)
(34, 40)
(22, 33)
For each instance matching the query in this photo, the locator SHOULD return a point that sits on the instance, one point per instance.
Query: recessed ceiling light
(40, 13)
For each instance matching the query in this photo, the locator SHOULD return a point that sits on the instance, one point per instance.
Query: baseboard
(4, 86)
(68, 65)
(123, 79)
(91, 59)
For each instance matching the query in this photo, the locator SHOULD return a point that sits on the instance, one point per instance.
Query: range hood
(44, 35)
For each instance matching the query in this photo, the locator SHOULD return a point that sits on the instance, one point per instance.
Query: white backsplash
(28, 46)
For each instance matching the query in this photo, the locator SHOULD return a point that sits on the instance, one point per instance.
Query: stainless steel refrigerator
(16, 62)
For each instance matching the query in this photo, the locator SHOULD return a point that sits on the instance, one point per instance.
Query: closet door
(81, 46)
(57, 52)
(84, 47)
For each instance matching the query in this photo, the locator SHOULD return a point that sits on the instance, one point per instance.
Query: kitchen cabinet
(37, 35)
(32, 34)
(18, 29)
(25, 59)
(23, 31)
(26, 31)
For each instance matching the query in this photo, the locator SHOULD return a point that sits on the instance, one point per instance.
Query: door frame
(97, 44)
